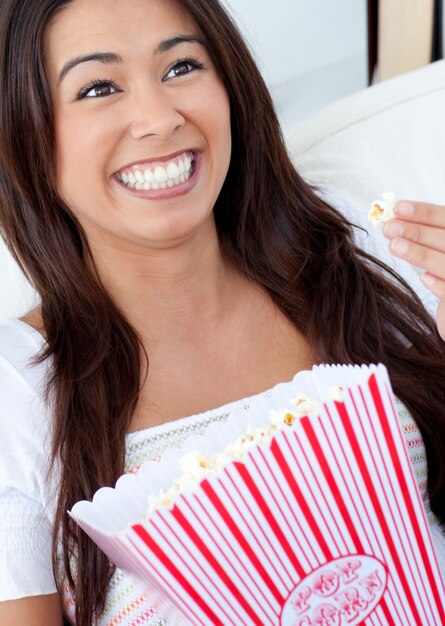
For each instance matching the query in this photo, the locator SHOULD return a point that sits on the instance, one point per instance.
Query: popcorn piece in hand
(382, 210)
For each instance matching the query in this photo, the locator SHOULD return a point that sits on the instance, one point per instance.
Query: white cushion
(389, 137)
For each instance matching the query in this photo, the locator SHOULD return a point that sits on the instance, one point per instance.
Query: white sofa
(389, 137)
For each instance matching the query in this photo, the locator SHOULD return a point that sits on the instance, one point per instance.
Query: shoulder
(24, 418)
(26, 490)
(18, 339)
(19, 345)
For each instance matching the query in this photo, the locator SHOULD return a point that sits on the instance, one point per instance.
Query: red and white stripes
(264, 542)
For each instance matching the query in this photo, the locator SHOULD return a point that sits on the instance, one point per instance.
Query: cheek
(69, 148)
(74, 171)
(217, 115)
(80, 147)
(223, 111)
(209, 107)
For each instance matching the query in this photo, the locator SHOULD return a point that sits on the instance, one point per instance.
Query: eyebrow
(111, 57)
(170, 43)
(102, 57)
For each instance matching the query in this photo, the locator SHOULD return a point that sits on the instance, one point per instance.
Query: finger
(421, 212)
(430, 260)
(435, 284)
(441, 319)
(427, 236)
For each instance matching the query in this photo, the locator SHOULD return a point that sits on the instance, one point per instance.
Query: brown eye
(183, 67)
(98, 89)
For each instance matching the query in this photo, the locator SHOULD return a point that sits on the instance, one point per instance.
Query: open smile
(162, 178)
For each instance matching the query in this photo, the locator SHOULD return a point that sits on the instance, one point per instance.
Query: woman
(182, 264)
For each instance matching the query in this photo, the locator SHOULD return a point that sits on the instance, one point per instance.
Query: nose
(155, 113)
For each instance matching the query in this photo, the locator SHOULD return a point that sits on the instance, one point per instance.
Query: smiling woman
(158, 119)
(182, 265)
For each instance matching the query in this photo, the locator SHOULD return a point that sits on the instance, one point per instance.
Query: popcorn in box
(323, 526)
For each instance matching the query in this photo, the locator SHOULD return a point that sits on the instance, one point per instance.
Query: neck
(172, 294)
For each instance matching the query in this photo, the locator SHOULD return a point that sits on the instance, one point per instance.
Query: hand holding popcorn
(417, 235)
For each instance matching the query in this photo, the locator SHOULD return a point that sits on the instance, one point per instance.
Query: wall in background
(311, 52)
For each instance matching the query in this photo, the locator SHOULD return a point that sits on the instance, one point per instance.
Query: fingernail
(394, 229)
(428, 280)
(399, 247)
(404, 208)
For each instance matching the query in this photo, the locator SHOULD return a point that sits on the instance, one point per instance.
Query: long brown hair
(271, 224)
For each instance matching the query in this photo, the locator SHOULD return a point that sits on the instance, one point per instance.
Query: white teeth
(175, 173)
(172, 170)
(149, 176)
(161, 174)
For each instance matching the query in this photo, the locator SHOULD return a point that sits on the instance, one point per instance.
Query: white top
(27, 503)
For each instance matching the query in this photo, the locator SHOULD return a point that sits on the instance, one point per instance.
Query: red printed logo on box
(342, 592)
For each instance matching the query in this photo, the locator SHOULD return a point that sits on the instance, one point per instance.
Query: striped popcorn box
(323, 526)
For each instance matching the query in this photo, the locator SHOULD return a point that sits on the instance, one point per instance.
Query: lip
(169, 192)
(160, 159)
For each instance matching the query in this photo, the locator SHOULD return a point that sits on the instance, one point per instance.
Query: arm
(32, 611)
(28, 591)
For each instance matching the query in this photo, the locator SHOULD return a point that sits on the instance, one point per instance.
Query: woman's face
(142, 120)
